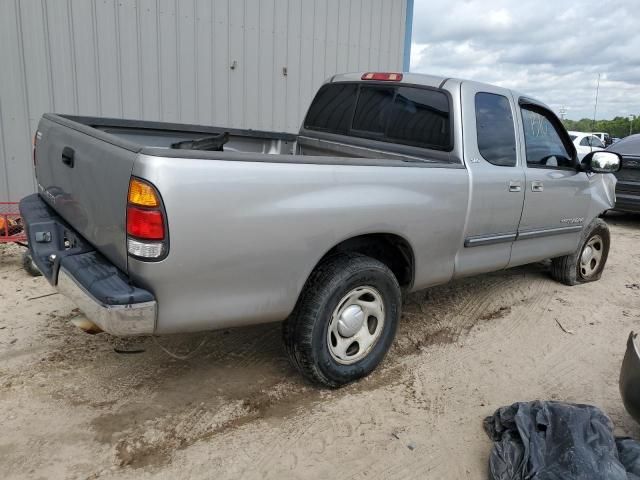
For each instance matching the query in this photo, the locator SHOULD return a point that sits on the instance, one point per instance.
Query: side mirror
(601, 162)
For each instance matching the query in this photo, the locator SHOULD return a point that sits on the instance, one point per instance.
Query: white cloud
(500, 18)
(551, 50)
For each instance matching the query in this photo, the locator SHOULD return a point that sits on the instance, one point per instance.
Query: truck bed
(137, 134)
(157, 138)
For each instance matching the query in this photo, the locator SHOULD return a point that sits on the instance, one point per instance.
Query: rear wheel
(588, 261)
(344, 321)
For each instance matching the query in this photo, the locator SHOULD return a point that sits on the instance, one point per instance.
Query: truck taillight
(145, 224)
(142, 194)
(383, 76)
(146, 221)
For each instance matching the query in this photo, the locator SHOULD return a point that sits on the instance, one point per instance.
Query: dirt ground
(72, 407)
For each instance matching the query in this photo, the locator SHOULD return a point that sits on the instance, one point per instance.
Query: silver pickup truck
(395, 182)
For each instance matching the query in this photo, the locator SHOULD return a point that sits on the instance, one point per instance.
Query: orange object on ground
(11, 228)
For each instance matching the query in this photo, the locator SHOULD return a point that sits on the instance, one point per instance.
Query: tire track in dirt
(536, 298)
(423, 391)
(561, 368)
(254, 349)
(239, 390)
(453, 314)
(428, 386)
(477, 304)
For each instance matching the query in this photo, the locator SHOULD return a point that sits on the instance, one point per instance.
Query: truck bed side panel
(246, 235)
(90, 190)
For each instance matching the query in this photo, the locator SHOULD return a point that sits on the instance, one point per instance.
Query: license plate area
(50, 237)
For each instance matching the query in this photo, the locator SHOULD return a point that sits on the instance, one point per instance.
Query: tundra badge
(572, 220)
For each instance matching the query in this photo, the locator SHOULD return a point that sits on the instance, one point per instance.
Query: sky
(551, 50)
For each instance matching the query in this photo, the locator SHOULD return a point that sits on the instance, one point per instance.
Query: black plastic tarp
(554, 440)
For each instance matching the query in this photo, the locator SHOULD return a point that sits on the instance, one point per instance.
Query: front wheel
(345, 320)
(588, 261)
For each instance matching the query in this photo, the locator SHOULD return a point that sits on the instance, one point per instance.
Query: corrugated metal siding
(239, 63)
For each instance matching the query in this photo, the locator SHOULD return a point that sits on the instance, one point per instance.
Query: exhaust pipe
(87, 325)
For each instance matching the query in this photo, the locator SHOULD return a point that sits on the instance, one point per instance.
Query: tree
(617, 127)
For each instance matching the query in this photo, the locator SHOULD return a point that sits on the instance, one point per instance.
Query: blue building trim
(408, 28)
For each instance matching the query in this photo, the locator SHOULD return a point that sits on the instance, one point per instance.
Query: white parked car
(604, 138)
(585, 143)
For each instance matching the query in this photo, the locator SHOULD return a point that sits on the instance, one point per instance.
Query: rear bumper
(102, 292)
(630, 379)
(122, 320)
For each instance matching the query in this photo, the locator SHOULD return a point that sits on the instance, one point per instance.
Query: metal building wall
(240, 63)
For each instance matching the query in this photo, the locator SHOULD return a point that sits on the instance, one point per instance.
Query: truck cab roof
(428, 80)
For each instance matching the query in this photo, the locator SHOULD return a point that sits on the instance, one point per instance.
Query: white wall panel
(106, 23)
(85, 60)
(129, 55)
(204, 38)
(266, 72)
(221, 55)
(294, 56)
(187, 60)
(236, 93)
(170, 60)
(281, 16)
(14, 111)
(149, 45)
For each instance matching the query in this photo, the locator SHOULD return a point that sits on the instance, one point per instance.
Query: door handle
(515, 186)
(67, 156)
(537, 186)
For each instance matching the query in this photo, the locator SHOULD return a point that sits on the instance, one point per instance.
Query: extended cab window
(543, 142)
(414, 116)
(332, 108)
(495, 130)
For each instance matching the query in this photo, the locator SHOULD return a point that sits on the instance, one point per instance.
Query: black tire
(567, 269)
(305, 332)
(29, 265)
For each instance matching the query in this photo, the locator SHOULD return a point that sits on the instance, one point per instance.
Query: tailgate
(83, 174)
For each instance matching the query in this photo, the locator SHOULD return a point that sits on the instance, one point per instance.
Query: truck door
(491, 153)
(556, 195)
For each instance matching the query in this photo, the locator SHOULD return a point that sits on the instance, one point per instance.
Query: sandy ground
(72, 407)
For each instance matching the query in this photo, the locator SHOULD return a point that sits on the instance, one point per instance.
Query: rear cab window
(372, 110)
(332, 108)
(407, 115)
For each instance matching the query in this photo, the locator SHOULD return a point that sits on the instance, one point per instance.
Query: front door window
(544, 144)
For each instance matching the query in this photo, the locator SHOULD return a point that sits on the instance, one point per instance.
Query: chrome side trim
(493, 238)
(481, 240)
(121, 320)
(544, 232)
